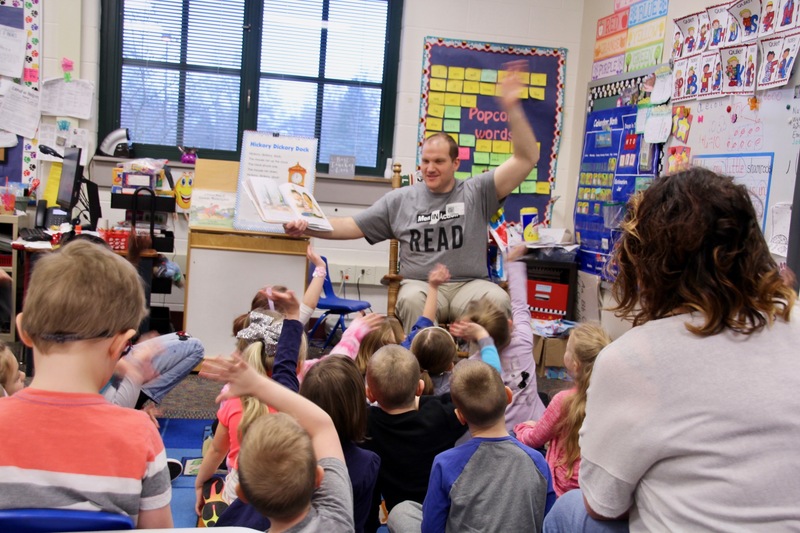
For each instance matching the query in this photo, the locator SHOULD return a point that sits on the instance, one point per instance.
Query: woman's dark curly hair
(692, 242)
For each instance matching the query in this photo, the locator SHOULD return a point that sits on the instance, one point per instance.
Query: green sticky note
(527, 187)
(452, 125)
(467, 140)
(496, 159)
(481, 158)
(489, 75)
(463, 175)
(534, 175)
(452, 112)
(479, 170)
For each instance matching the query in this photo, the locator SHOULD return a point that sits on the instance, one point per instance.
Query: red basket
(5, 260)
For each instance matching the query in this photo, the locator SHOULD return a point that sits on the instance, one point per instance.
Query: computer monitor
(69, 188)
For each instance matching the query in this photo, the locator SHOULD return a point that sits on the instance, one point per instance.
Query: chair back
(327, 285)
(66, 520)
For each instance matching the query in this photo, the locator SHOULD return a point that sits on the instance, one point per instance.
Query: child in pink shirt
(563, 418)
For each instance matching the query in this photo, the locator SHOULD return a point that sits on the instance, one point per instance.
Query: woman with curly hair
(691, 416)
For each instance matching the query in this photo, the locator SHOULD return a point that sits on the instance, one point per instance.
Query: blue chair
(333, 305)
(51, 520)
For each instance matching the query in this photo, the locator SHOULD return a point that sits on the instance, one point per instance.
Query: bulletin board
(459, 83)
(754, 142)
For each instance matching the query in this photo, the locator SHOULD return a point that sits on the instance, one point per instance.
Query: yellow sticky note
(454, 136)
(455, 86)
(430, 133)
(487, 89)
(537, 93)
(438, 71)
(523, 94)
(482, 145)
(538, 79)
(469, 100)
(502, 147)
(436, 98)
(433, 124)
(452, 99)
(455, 73)
(472, 87)
(435, 110)
(473, 74)
(53, 180)
(542, 187)
(438, 84)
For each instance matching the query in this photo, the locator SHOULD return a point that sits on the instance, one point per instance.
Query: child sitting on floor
(564, 416)
(70, 448)
(271, 343)
(513, 338)
(291, 466)
(336, 385)
(405, 431)
(12, 379)
(490, 483)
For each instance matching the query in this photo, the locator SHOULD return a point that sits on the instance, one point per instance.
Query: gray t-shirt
(432, 228)
(695, 433)
(332, 503)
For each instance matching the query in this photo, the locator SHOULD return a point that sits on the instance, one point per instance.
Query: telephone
(49, 216)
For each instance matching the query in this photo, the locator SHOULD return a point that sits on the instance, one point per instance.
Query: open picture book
(278, 203)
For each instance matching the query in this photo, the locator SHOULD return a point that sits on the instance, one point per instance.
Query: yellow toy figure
(183, 190)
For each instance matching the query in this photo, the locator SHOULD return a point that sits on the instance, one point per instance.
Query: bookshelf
(9, 263)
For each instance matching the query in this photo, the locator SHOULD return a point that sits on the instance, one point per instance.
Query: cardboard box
(548, 352)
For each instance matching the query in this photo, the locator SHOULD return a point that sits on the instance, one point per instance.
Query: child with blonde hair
(564, 416)
(12, 379)
(513, 337)
(291, 464)
(270, 342)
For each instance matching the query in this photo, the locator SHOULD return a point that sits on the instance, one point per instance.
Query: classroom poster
(459, 82)
(747, 14)
(754, 171)
(718, 15)
(686, 36)
(616, 162)
(280, 158)
(739, 66)
(647, 27)
(767, 22)
(710, 75)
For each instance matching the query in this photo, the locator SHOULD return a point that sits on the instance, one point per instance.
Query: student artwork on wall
(718, 17)
(459, 83)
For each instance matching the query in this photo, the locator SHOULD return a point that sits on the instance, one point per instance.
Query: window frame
(110, 92)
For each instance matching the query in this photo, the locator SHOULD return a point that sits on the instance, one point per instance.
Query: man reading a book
(443, 220)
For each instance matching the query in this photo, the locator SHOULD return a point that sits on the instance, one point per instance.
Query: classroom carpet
(183, 439)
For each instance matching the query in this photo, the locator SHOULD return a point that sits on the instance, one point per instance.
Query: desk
(224, 270)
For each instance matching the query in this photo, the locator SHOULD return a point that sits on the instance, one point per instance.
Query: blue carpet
(183, 438)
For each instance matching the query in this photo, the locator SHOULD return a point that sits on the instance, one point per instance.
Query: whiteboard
(221, 285)
(741, 147)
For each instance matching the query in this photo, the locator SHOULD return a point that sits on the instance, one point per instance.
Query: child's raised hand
(439, 274)
(313, 257)
(242, 379)
(517, 252)
(366, 323)
(466, 329)
(286, 303)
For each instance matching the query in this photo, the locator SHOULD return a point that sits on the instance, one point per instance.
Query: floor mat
(183, 438)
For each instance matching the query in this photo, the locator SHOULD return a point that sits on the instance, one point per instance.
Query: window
(198, 73)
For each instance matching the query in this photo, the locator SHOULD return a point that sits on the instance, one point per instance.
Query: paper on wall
(70, 99)
(779, 232)
(12, 41)
(8, 139)
(663, 86)
(19, 111)
(51, 136)
(658, 125)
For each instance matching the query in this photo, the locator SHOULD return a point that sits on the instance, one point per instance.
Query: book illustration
(279, 203)
(212, 208)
